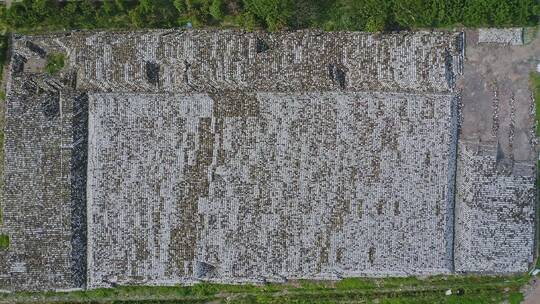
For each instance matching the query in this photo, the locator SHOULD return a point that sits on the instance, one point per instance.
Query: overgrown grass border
(534, 84)
(535, 89)
(474, 289)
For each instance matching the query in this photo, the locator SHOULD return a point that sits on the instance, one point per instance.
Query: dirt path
(499, 72)
(532, 292)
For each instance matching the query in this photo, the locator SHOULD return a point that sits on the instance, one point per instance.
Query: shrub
(55, 62)
(180, 6)
(275, 14)
(153, 14)
(247, 21)
(216, 9)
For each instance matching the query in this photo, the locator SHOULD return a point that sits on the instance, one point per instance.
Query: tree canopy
(367, 15)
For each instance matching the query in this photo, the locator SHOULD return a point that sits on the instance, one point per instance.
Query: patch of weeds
(529, 34)
(515, 298)
(310, 285)
(537, 198)
(205, 289)
(55, 62)
(535, 88)
(474, 290)
(3, 53)
(397, 282)
(184, 301)
(4, 241)
(243, 288)
(355, 283)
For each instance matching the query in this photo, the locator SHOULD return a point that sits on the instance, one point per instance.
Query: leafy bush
(153, 14)
(274, 14)
(216, 9)
(55, 62)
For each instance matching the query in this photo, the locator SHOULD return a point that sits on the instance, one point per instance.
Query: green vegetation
(530, 34)
(515, 298)
(535, 88)
(3, 56)
(392, 290)
(370, 15)
(3, 52)
(4, 241)
(55, 62)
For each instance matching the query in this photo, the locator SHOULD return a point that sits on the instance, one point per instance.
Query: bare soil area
(497, 102)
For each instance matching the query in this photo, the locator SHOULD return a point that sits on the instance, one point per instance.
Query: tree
(3, 27)
(368, 15)
(87, 15)
(180, 6)
(247, 21)
(108, 8)
(450, 12)
(372, 15)
(43, 8)
(476, 12)
(154, 13)
(502, 14)
(413, 13)
(106, 13)
(120, 5)
(216, 9)
(374, 24)
(68, 15)
(20, 14)
(276, 14)
(525, 12)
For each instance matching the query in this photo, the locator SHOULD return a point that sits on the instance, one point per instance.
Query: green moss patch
(4, 241)
(55, 62)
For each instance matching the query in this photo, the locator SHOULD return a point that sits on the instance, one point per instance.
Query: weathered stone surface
(36, 49)
(495, 213)
(511, 36)
(152, 72)
(36, 206)
(305, 187)
(17, 64)
(206, 60)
